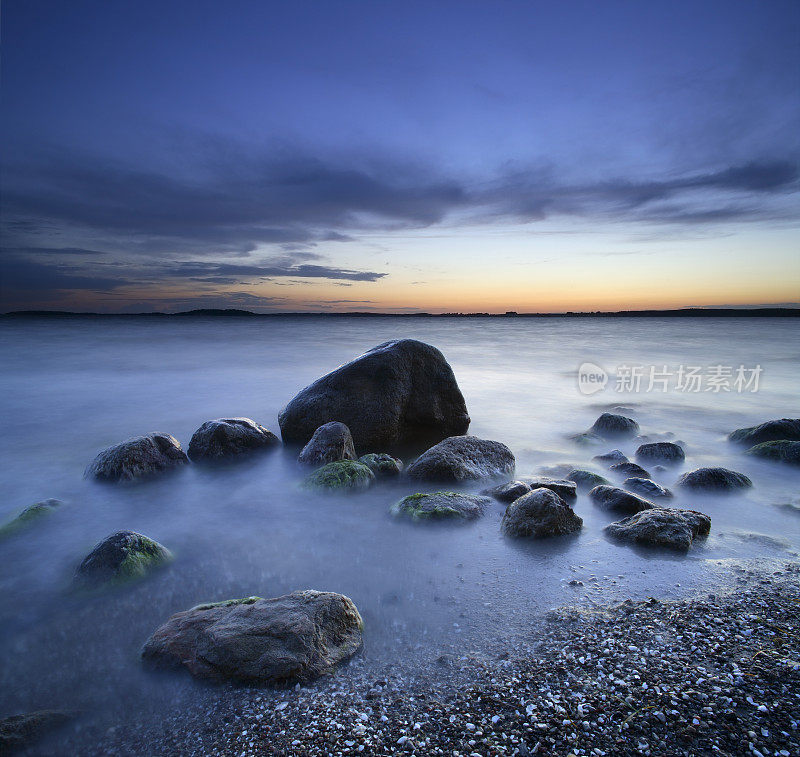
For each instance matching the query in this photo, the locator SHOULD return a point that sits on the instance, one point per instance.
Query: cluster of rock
(777, 440)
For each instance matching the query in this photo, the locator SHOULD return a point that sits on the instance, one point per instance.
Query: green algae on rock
(784, 451)
(382, 464)
(340, 475)
(440, 506)
(29, 516)
(119, 558)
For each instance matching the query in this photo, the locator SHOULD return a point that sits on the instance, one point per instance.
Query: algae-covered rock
(783, 451)
(343, 475)
(586, 439)
(662, 527)
(714, 480)
(539, 514)
(29, 516)
(382, 464)
(440, 506)
(290, 639)
(785, 429)
(586, 479)
(121, 557)
(463, 458)
(226, 438)
(136, 458)
(330, 443)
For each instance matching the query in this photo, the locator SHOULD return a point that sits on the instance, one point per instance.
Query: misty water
(70, 388)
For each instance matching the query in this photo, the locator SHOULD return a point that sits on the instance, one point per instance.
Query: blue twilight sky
(399, 155)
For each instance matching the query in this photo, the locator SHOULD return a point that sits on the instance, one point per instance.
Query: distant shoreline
(233, 313)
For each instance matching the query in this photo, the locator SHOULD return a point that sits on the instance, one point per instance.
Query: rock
(647, 488)
(783, 451)
(398, 394)
(785, 429)
(618, 500)
(121, 557)
(29, 515)
(341, 475)
(440, 506)
(538, 514)
(661, 452)
(330, 443)
(586, 439)
(229, 437)
(136, 458)
(714, 479)
(586, 479)
(508, 491)
(290, 639)
(661, 527)
(609, 425)
(19, 732)
(611, 458)
(630, 469)
(382, 464)
(463, 458)
(567, 490)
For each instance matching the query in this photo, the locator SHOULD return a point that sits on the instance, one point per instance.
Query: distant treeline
(233, 313)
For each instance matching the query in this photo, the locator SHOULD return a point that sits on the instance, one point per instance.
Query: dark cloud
(23, 274)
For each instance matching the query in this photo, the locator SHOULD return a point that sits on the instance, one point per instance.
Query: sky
(399, 156)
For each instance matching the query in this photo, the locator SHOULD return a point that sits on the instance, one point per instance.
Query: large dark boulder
(661, 452)
(119, 558)
(440, 506)
(136, 458)
(343, 475)
(586, 479)
(463, 458)
(617, 500)
(19, 732)
(399, 394)
(714, 480)
(331, 442)
(226, 438)
(610, 425)
(783, 451)
(647, 488)
(661, 527)
(290, 639)
(29, 515)
(785, 429)
(539, 514)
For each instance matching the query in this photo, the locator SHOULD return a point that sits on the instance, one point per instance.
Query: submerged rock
(539, 514)
(508, 491)
(382, 464)
(785, 429)
(611, 458)
(783, 451)
(567, 490)
(586, 479)
(647, 488)
(661, 452)
(19, 732)
(137, 458)
(399, 393)
(618, 500)
(29, 515)
(630, 469)
(229, 437)
(341, 475)
(123, 556)
(586, 439)
(290, 639)
(662, 527)
(714, 479)
(610, 425)
(330, 443)
(463, 458)
(440, 506)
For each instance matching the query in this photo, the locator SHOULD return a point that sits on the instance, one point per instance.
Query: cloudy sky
(399, 156)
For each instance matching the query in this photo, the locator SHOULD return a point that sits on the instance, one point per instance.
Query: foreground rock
(136, 458)
(609, 425)
(785, 429)
(29, 516)
(617, 500)
(784, 451)
(330, 443)
(19, 732)
(661, 527)
(290, 639)
(661, 452)
(586, 479)
(567, 490)
(508, 491)
(122, 557)
(714, 480)
(647, 488)
(397, 394)
(539, 514)
(440, 506)
(382, 464)
(226, 438)
(343, 475)
(463, 458)
(630, 469)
